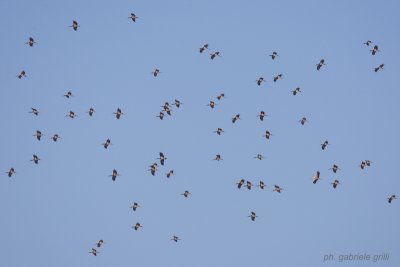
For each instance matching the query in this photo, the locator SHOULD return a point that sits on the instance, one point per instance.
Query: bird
(68, 94)
(38, 135)
(177, 103)
(316, 177)
(219, 131)
(274, 55)
(133, 17)
(335, 168)
(137, 226)
(10, 172)
(203, 48)
(156, 72)
(222, 95)
(237, 117)
(391, 198)
(296, 91)
(303, 120)
(211, 104)
(170, 173)
(34, 111)
(253, 216)
(100, 243)
(262, 115)
(367, 43)
(167, 108)
(55, 137)
(267, 134)
(162, 158)
(91, 111)
(186, 194)
(118, 113)
(71, 114)
(324, 144)
(240, 183)
(335, 183)
(261, 184)
(114, 174)
(362, 165)
(277, 77)
(380, 67)
(375, 50)
(74, 25)
(320, 64)
(161, 116)
(94, 252)
(35, 159)
(107, 143)
(135, 206)
(153, 168)
(31, 42)
(175, 238)
(368, 162)
(249, 185)
(260, 80)
(259, 156)
(277, 188)
(215, 54)
(22, 74)
(218, 157)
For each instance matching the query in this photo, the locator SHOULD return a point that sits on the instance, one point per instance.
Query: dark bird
(368, 162)
(316, 177)
(237, 117)
(277, 77)
(135, 206)
(324, 145)
(367, 43)
(162, 158)
(259, 156)
(175, 238)
(153, 168)
(277, 188)
(107, 143)
(335, 183)
(186, 194)
(91, 111)
(114, 175)
(335, 168)
(215, 54)
(133, 17)
(161, 116)
(253, 216)
(375, 50)
(380, 67)
(167, 108)
(202, 49)
(55, 137)
(34, 111)
(100, 243)
(71, 114)
(296, 91)
(218, 157)
(262, 115)
(177, 103)
(212, 104)
(68, 94)
(261, 184)
(35, 159)
(22, 74)
(320, 64)
(303, 120)
(170, 173)
(10, 172)
(31, 42)
(274, 55)
(240, 183)
(156, 72)
(222, 95)
(137, 226)
(94, 252)
(267, 134)
(75, 25)
(118, 113)
(249, 185)
(362, 165)
(219, 131)
(260, 81)
(391, 198)
(38, 135)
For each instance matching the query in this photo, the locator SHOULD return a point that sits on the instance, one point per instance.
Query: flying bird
(261, 184)
(375, 50)
(316, 177)
(34, 111)
(218, 157)
(156, 72)
(335, 183)
(391, 198)
(74, 25)
(137, 226)
(68, 94)
(367, 43)
(170, 173)
(31, 42)
(368, 162)
(260, 81)
(303, 120)
(267, 134)
(335, 168)
(253, 216)
(202, 49)
(94, 252)
(320, 64)
(324, 145)
(91, 111)
(259, 156)
(274, 55)
(135, 206)
(380, 67)
(55, 137)
(162, 158)
(219, 131)
(10, 172)
(35, 159)
(161, 116)
(277, 77)
(362, 165)
(175, 238)
(240, 183)
(215, 54)
(22, 74)
(212, 104)
(107, 143)
(118, 113)
(71, 114)
(277, 188)
(153, 168)
(177, 103)
(114, 175)
(100, 243)
(262, 115)
(38, 135)
(133, 17)
(222, 95)
(237, 117)
(186, 194)
(249, 185)
(296, 91)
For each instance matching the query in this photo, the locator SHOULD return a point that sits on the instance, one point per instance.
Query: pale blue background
(53, 213)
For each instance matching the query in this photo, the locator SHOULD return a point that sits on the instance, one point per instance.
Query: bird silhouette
(55, 137)
(261, 184)
(118, 113)
(107, 143)
(296, 91)
(21, 74)
(38, 135)
(277, 188)
(133, 17)
(260, 80)
(277, 77)
(303, 120)
(156, 72)
(135, 206)
(262, 115)
(170, 173)
(71, 114)
(253, 216)
(74, 25)
(320, 64)
(367, 43)
(335, 168)
(211, 104)
(10, 172)
(100, 243)
(335, 183)
(391, 198)
(215, 54)
(114, 175)
(186, 194)
(153, 168)
(222, 95)
(380, 67)
(324, 145)
(218, 157)
(249, 185)
(94, 252)
(31, 42)
(267, 134)
(203, 48)
(137, 226)
(375, 50)
(219, 131)
(91, 111)
(259, 156)
(35, 159)
(237, 117)
(68, 94)
(274, 55)
(316, 177)
(161, 116)
(162, 158)
(175, 238)
(34, 111)
(240, 183)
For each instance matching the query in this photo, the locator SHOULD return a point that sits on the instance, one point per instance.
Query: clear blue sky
(53, 213)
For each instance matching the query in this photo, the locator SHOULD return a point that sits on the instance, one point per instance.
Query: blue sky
(54, 212)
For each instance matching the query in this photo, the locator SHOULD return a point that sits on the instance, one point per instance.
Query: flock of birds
(167, 109)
